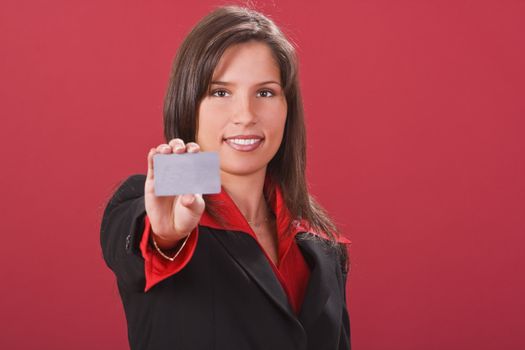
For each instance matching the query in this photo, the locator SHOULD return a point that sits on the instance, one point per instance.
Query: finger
(194, 202)
(192, 147)
(187, 199)
(177, 145)
(151, 153)
(164, 148)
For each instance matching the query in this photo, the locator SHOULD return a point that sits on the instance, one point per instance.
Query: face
(243, 114)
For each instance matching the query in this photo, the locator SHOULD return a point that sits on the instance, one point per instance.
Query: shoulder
(336, 250)
(125, 191)
(304, 226)
(130, 187)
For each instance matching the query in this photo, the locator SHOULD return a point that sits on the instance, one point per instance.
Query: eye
(219, 93)
(266, 92)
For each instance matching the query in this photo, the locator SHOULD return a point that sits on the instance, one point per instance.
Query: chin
(241, 168)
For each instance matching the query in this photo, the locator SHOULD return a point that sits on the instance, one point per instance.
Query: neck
(246, 191)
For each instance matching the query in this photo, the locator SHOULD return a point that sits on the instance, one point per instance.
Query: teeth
(244, 141)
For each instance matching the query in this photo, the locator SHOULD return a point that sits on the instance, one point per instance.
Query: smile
(244, 144)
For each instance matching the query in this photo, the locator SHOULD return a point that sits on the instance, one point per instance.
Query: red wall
(415, 114)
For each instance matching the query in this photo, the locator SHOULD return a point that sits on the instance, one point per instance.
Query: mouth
(244, 143)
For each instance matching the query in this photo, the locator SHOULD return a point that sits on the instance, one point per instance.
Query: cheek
(206, 136)
(210, 126)
(278, 123)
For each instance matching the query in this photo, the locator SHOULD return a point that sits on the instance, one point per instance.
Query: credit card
(184, 173)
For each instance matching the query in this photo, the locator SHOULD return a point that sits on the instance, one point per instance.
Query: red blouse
(291, 270)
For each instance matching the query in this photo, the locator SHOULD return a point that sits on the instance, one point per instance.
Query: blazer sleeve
(124, 236)
(345, 340)
(122, 224)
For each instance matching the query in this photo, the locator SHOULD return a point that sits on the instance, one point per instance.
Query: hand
(172, 218)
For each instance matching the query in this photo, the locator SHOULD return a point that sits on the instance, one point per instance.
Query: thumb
(191, 200)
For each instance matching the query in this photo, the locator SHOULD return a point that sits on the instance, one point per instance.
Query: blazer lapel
(246, 252)
(322, 281)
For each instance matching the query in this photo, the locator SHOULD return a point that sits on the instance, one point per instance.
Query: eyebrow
(217, 82)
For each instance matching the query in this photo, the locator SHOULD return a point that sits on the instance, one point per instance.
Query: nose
(245, 113)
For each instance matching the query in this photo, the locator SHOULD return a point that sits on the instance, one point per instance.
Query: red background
(415, 124)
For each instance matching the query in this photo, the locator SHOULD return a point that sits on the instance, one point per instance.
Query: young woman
(259, 265)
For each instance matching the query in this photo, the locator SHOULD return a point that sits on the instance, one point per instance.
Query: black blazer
(227, 297)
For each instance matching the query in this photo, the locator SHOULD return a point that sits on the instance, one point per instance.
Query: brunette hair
(189, 81)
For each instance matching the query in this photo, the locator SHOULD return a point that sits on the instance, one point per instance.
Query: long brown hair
(191, 74)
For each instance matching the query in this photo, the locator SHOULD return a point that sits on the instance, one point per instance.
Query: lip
(244, 137)
(244, 148)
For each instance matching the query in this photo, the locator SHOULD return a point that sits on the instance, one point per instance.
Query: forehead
(247, 62)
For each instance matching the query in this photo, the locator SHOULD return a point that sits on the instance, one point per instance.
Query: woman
(259, 265)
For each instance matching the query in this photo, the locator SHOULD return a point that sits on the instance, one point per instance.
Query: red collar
(235, 221)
